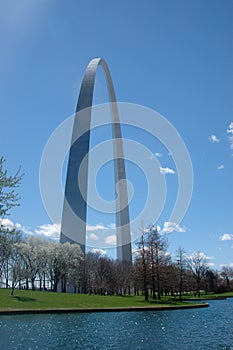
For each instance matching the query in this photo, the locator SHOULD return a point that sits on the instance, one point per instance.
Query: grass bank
(207, 296)
(33, 300)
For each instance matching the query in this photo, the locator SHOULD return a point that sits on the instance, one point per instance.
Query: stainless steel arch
(73, 228)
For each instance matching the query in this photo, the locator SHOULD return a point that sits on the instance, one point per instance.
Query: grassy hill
(33, 300)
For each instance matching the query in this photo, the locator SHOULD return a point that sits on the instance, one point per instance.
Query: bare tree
(142, 257)
(181, 262)
(123, 273)
(197, 263)
(227, 275)
(152, 255)
(211, 281)
(157, 248)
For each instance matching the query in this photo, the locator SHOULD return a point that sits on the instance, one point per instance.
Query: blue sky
(174, 57)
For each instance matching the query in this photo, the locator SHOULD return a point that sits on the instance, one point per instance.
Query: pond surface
(208, 328)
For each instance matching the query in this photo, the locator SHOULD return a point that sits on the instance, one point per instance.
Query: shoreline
(204, 299)
(108, 309)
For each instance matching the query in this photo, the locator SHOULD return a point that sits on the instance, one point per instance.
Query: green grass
(30, 300)
(209, 296)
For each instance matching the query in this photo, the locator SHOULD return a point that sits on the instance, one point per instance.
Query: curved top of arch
(87, 87)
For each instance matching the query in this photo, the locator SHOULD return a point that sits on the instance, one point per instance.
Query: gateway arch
(74, 215)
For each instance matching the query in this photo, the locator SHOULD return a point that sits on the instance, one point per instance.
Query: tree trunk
(55, 286)
(33, 283)
(7, 274)
(63, 285)
(40, 283)
(181, 284)
(44, 287)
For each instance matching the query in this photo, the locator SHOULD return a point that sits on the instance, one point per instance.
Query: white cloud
(230, 130)
(96, 227)
(207, 257)
(51, 231)
(100, 227)
(98, 251)
(94, 236)
(170, 227)
(230, 137)
(167, 254)
(227, 237)
(27, 231)
(213, 139)
(111, 240)
(112, 226)
(155, 155)
(151, 157)
(159, 155)
(220, 167)
(210, 264)
(100, 233)
(7, 224)
(202, 256)
(166, 171)
(47, 231)
(227, 265)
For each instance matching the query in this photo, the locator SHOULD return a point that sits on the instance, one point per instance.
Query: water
(209, 328)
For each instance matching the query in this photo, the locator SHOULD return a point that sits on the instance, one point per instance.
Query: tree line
(35, 263)
(39, 264)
